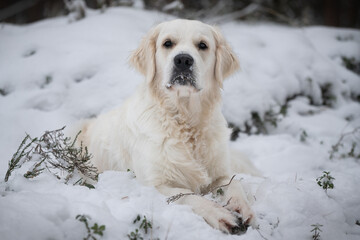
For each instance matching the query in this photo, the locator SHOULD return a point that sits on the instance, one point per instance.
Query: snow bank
(54, 73)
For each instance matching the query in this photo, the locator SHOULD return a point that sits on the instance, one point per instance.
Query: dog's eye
(168, 44)
(202, 46)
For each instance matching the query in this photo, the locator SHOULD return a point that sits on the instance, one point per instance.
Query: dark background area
(338, 13)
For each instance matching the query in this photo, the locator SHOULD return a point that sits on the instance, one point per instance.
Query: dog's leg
(241, 164)
(236, 200)
(214, 214)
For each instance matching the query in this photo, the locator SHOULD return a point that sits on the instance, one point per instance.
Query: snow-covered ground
(53, 73)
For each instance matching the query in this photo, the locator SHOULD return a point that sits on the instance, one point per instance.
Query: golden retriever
(171, 132)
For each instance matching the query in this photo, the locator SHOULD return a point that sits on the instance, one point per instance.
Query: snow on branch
(55, 153)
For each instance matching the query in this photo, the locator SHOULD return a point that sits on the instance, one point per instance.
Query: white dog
(171, 132)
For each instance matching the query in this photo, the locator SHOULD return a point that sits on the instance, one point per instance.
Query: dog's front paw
(237, 229)
(221, 218)
(241, 209)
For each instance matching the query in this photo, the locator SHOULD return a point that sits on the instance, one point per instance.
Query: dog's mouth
(185, 79)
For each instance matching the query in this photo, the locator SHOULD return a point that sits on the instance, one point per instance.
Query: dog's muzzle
(183, 74)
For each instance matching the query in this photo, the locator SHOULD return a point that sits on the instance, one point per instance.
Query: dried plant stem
(336, 146)
(53, 152)
(180, 195)
(21, 152)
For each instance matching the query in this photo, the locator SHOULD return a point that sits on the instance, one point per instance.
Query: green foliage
(351, 64)
(355, 97)
(29, 53)
(316, 231)
(270, 117)
(345, 38)
(303, 136)
(83, 182)
(327, 94)
(135, 235)
(145, 227)
(3, 92)
(325, 181)
(235, 130)
(220, 191)
(21, 153)
(130, 171)
(352, 153)
(259, 124)
(341, 144)
(98, 229)
(95, 229)
(48, 79)
(55, 153)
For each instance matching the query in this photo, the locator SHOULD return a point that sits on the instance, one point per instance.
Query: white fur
(175, 139)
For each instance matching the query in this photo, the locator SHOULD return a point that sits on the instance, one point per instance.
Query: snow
(54, 73)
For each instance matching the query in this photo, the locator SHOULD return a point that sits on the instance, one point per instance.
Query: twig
(248, 10)
(251, 8)
(279, 15)
(180, 195)
(15, 163)
(228, 202)
(225, 185)
(261, 234)
(57, 154)
(84, 219)
(336, 146)
(168, 230)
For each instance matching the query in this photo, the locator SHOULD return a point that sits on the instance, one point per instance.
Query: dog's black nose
(183, 61)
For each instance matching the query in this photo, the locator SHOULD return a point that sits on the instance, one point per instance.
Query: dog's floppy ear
(143, 58)
(226, 60)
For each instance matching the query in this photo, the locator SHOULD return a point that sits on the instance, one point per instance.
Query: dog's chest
(195, 144)
(189, 153)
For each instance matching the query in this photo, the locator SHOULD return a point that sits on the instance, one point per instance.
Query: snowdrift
(294, 108)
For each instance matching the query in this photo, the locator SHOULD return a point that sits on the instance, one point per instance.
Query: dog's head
(184, 56)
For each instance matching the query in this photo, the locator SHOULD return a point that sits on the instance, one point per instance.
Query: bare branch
(335, 147)
(251, 8)
(55, 153)
(180, 195)
(225, 185)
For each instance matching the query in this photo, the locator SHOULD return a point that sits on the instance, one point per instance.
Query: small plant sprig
(336, 147)
(145, 225)
(220, 191)
(316, 231)
(18, 158)
(259, 124)
(351, 153)
(180, 195)
(95, 229)
(135, 235)
(303, 136)
(325, 181)
(57, 154)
